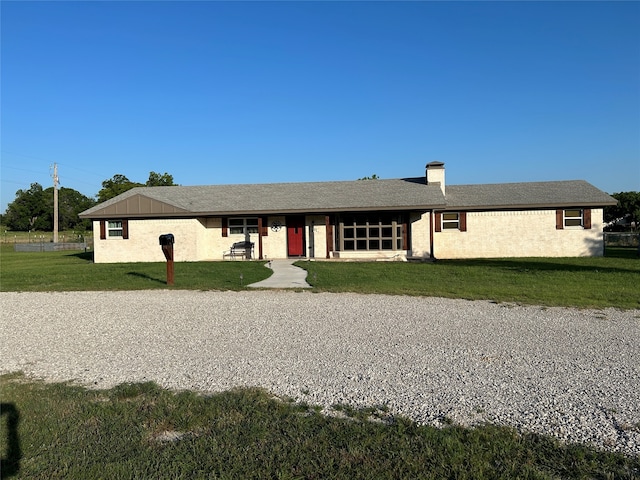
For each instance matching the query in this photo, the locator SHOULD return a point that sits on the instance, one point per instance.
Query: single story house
(408, 218)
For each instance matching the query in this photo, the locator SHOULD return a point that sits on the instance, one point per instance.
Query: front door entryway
(295, 236)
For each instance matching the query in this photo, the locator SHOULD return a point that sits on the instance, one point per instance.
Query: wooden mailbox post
(167, 241)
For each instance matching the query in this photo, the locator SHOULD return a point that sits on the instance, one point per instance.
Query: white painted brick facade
(530, 233)
(199, 240)
(489, 234)
(420, 236)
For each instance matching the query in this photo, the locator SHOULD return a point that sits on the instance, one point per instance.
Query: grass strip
(586, 282)
(593, 282)
(75, 271)
(143, 431)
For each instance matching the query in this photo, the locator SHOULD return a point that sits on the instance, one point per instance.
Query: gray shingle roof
(311, 197)
(572, 193)
(361, 195)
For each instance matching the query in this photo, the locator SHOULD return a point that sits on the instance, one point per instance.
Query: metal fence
(38, 238)
(49, 247)
(620, 239)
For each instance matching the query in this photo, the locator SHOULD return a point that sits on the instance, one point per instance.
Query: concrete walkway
(285, 275)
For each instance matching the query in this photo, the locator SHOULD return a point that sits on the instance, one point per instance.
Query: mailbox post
(166, 242)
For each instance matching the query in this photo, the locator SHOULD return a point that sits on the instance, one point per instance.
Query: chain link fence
(621, 239)
(43, 241)
(49, 247)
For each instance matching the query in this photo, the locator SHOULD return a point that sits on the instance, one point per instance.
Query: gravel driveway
(574, 374)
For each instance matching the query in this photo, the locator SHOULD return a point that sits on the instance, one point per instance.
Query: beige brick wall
(489, 234)
(420, 235)
(142, 244)
(519, 234)
(198, 240)
(317, 223)
(274, 245)
(213, 243)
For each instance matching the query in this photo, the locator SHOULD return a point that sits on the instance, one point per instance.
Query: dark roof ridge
(262, 184)
(420, 180)
(516, 183)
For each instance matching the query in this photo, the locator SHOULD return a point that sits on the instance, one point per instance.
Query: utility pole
(55, 203)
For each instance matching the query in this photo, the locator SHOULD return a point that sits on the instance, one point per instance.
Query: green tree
(372, 177)
(33, 209)
(115, 186)
(119, 184)
(628, 205)
(157, 180)
(70, 204)
(29, 211)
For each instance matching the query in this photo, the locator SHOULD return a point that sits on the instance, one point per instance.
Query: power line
(49, 161)
(8, 180)
(20, 169)
(84, 171)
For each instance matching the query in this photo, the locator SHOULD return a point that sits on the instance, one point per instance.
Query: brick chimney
(435, 174)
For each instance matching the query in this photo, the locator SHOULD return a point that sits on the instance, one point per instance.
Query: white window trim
(567, 217)
(451, 224)
(112, 231)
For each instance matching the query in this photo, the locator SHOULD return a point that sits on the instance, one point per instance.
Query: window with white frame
(450, 221)
(243, 226)
(114, 229)
(573, 218)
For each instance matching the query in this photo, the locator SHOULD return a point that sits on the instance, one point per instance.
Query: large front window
(370, 232)
(243, 226)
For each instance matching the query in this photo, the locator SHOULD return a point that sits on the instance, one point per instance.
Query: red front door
(295, 236)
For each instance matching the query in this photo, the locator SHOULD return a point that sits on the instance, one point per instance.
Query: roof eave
(531, 206)
(227, 213)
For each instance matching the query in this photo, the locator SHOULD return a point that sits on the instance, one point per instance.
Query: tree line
(32, 208)
(626, 214)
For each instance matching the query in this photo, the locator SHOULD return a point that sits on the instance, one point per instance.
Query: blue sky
(256, 92)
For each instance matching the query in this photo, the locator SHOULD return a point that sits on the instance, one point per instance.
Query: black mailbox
(167, 239)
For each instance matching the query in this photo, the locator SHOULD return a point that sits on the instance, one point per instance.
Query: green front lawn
(598, 282)
(68, 271)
